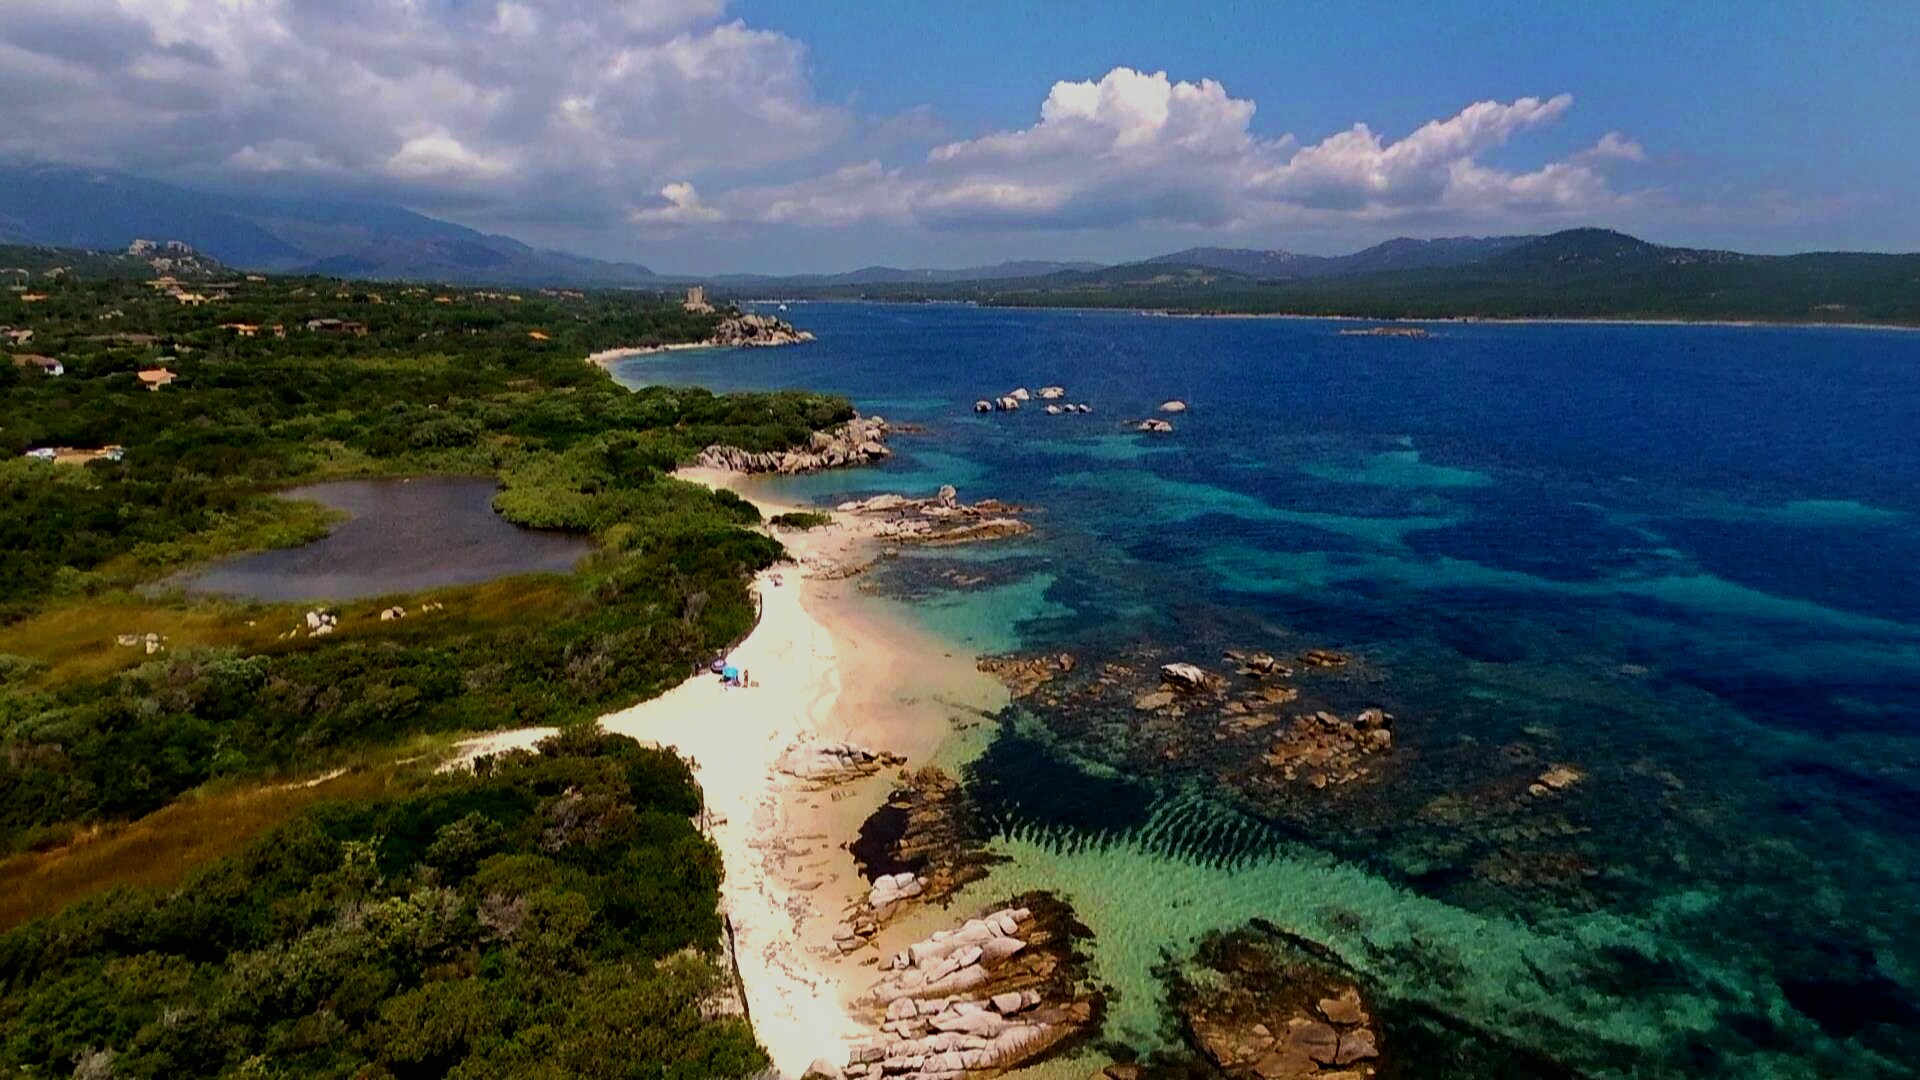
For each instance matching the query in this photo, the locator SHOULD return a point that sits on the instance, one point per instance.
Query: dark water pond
(402, 536)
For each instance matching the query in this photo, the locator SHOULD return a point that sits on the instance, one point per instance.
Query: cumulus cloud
(1613, 146)
(682, 207)
(1135, 147)
(579, 113)
(600, 98)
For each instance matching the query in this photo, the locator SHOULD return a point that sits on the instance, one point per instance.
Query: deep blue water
(1683, 560)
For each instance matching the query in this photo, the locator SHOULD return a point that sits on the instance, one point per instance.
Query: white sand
(828, 664)
(608, 356)
(734, 736)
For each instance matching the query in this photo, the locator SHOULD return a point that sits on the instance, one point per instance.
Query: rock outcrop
(994, 994)
(757, 331)
(827, 764)
(1153, 426)
(943, 519)
(922, 845)
(856, 442)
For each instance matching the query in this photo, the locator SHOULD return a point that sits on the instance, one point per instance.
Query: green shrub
(801, 520)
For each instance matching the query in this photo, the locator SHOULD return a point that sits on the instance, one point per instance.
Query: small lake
(401, 536)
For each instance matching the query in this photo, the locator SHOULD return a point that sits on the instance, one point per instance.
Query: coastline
(1441, 320)
(1492, 320)
(609, 357)
(827, 663)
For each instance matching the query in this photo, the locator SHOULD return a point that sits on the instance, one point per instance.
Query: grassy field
(78, 641)
(163, 848)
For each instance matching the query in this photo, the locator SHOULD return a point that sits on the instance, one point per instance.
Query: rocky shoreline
(859, 441)
(751, 331)
(737, 332)
(992, 994)
(942, 519)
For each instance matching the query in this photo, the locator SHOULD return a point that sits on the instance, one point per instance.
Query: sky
(702, 136)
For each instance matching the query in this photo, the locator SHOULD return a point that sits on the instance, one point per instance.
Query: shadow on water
(402, 536)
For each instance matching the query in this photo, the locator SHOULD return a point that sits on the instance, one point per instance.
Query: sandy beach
(609, 356)
(827, 663)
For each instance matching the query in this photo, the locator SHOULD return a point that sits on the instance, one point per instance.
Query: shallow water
(1683, 560)
(401, 536)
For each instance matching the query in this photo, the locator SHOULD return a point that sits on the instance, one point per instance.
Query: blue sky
(703, 136)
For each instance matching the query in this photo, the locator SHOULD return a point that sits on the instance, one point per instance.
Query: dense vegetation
(801, 520)
(1581, 273)
(546, 916)
(441, 381)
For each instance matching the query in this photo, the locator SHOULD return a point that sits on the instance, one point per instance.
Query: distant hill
(106, 211)
(893, 275)
(1576, 274)
(1246, 261)
(23, 262)
(1404, 253)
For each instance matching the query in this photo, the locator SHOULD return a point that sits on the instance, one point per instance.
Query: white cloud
(578, 113)
(1613, 146)
(1139, 148)
(683, 207)
(441, 155)
(594, 101)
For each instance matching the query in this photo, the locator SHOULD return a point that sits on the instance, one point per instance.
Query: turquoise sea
(1683, 562)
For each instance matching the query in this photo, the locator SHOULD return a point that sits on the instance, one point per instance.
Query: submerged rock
(1259, 1007)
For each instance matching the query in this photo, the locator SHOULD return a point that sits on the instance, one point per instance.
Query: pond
(401, 536)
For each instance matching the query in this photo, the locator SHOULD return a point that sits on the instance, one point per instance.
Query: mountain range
(1575, 273)
(92, 209)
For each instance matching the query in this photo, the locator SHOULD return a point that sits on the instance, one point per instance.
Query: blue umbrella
(730, 673)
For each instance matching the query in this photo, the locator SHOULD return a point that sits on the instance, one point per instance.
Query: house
(47, 364)
(32, 297)
(337, 326)
(538, 335)
(256, 278)
(18, 335)
(241, 329)
(155, 378)
(68, 455)
(191, 299)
